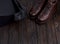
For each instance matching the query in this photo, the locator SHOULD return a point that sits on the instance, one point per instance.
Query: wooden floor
(28, 32)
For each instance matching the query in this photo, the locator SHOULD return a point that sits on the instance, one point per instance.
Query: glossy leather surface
(46, 13)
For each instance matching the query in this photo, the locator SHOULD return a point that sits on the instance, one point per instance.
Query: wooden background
(28, 32)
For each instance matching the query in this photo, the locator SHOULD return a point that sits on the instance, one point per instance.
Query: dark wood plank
(22, 32)
(57, 28)
(31, 32)
(28, 32)
(42, 36)
(4, 35)
(51, 33)
(13, 34)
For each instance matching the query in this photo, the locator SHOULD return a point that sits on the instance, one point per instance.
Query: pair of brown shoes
(44, 11)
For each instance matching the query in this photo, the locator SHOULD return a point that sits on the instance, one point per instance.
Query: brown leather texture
(46, 13)
(39, 10)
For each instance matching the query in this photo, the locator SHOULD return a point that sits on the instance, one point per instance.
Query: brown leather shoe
(36, 9)
(47, 12)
